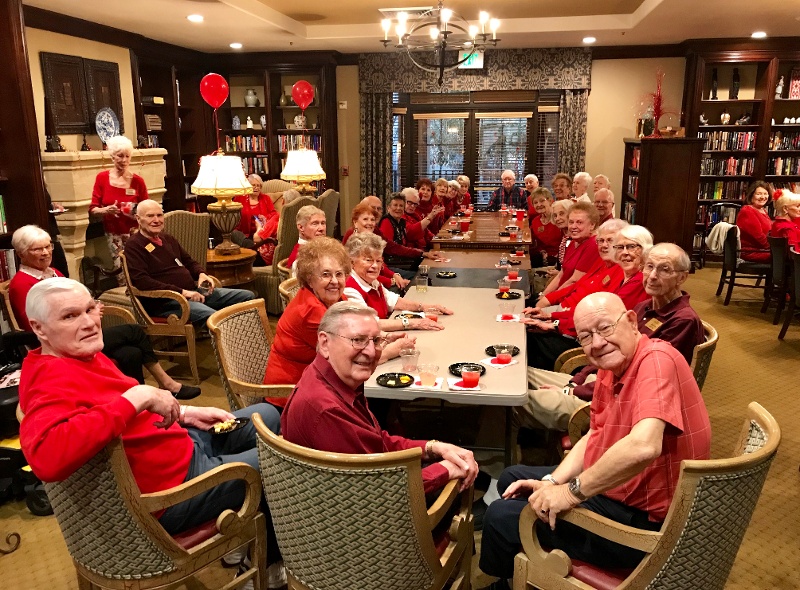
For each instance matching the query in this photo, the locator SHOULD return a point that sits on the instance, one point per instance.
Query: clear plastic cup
(409, 357)
(422, 284)
(503, 353)
(428, 374)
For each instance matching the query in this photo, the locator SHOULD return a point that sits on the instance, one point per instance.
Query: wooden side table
(235, 270)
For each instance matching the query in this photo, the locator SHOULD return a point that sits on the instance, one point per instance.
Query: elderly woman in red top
(259, 222)
(754, 223)
(580, 252)
(787, 218)
(545, 234)
(322, 268)
(363, 218)
(114, 195)
(464, 197)
(366, 252)
(450, 201)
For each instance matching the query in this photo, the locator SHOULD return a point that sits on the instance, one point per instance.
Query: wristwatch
(405, 321)
(575, 489)
(551, 479)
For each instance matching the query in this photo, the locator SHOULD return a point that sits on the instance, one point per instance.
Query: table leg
(509, 450)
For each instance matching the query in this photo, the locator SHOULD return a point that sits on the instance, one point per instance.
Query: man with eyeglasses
(604, 203)
(667, 315)
(509, 194)
(647, 417)
(328, 411)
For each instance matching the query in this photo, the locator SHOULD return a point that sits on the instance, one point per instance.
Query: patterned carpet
(750, 363)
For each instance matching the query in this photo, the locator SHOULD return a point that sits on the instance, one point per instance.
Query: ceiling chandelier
(428, 37)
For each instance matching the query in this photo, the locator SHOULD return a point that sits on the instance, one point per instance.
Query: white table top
(472, 327)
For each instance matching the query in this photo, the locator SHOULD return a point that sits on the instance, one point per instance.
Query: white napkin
(435, 387)
(512, 280)
(451, 385)
(444, 260)
(516, 317)
(515, 256)
(488, 362)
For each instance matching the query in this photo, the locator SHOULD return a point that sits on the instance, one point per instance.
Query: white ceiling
(354, 25)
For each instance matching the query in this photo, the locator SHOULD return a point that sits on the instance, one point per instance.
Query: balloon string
(216, 128)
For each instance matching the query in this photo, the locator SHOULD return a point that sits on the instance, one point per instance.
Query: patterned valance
(567, 68)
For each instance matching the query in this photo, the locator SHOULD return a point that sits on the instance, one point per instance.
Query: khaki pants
(547, 408)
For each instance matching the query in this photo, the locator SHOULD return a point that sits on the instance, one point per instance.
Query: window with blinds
(502, 144)
(398, 135)
(547, 145)
(439, 142)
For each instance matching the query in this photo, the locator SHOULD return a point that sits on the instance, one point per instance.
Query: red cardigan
(753, 229)
(18, 289)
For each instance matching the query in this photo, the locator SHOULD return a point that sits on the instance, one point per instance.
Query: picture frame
(65, 90)
(102, 88)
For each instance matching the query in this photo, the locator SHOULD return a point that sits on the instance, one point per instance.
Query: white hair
(332, 320)
(639, 234)
(532, 177)
(119, 143)
(453, 184)
(306, 212)
(38, 303)
(255, 177)
(511, 172)
(463, 177)
(585, 177)
(409, 191)
(612, 226)
(25, 236)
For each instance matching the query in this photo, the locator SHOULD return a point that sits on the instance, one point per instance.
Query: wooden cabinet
(660, 180)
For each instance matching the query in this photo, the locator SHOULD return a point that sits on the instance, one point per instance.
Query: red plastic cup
(126, 208)
(464, 227)
(520, 252)
(513, 274)
(512, 235)
(504, 358)
(470, 378)
(520, 215)
(504, 288)
(468, 213)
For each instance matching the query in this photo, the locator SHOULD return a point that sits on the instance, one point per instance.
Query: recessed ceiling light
(759, 35)
(236, 46)
(195, 18)
(589, 40)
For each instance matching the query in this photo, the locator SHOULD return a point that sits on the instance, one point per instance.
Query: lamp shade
(221, 176)
(302, 166)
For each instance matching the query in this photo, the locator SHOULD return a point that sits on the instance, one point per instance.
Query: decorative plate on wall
(107, 124)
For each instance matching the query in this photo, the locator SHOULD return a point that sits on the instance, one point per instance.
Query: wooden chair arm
(229, 472)
(579, 422)
(576, 362)
(215, 281)
(566, 356)
(259, 390)
(442, 504)
(167, 294)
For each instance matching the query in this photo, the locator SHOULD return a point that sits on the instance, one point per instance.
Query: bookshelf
(660, 179)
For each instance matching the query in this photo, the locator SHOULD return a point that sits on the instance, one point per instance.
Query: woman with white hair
(464, 197)
(116, 191)
(259, 223)
(787, 218)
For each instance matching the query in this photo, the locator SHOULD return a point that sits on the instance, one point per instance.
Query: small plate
(508, 296)
(446, 274)
(503, 234)
(490, 350)
(512, 228)
(455, 368)
(411, 315)
(513, 262)
(394, 380)
(458, 214)
(236, 424)
(454, 231)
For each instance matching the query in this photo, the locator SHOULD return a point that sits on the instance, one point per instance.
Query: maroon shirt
(155, 266)
(325, 414)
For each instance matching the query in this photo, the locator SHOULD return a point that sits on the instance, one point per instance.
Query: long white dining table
(472, 327)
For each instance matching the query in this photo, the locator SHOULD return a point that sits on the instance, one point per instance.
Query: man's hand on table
(425, 324)
(156, 401)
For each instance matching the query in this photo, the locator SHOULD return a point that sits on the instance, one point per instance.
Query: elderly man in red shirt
(328, 411)
(647, 416)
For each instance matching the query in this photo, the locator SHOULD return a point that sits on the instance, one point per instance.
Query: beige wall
(619, 87)
(349, 141)
(39, 41)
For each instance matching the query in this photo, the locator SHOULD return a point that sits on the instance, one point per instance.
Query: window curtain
(572, 131)
(376, 144)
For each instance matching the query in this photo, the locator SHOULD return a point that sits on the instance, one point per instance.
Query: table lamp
(222, 177)
(302, 166)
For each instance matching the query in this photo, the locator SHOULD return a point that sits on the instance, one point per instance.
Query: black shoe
(500, 584)
(187, 392)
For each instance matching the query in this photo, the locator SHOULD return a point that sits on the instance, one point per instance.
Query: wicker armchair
(359, 521)
(288, 289)
(174, 326)
(329, 202)
(242, 340)
(268, 277)
(284, 270)
(8, 313)
(701, 357)
(116, 542)
(698, 541)
(192, 231)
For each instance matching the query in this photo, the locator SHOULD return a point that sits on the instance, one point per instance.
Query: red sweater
(74, 408)
(426, 207)
(386, 231)
(753, 229)
(264, 207)
(18, 293)
(789, 229)
(103, 195)
(546, 237)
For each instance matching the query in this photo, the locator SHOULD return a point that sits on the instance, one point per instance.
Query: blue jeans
(211, 451)
(220, 298)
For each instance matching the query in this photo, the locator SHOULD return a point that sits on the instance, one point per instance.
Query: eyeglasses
(604, 331)
(371, 261)
(411, 203)
(361, 342)
(662, 270)
(627, 247)
(42, 250)
(328, 275)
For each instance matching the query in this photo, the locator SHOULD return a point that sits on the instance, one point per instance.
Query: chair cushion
(189, 538)
(441, 540)
(597, 577)
(752, 267)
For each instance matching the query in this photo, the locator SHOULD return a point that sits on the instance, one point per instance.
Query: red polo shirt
(657, 384)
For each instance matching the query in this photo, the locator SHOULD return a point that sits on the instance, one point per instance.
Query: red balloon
(214, 90)
(303, 94)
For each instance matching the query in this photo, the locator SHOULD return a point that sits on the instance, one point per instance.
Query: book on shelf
(710, 214)
(727, 166)
(151, 141)
(153, 100)
(792, 186)
(633, 186)
(152, 122)
(778, 140)
(629, 212)
(8, 265)
(296, 142)
(728, 190)
(636, 155)
(3, 222)
(255, 165)
(729, 140)
(784, 166)
(246, 143)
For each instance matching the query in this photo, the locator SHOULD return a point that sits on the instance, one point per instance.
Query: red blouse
(265, 208)
(753, 229)
(545, 236)
(789, 229)
(103, 195)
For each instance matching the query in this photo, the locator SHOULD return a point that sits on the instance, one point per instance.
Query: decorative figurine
(735, 85)
(779, 88)
(300, 121)
(53, 144)
(703, 119)
(249, 123)
(744, 119)
(283, 101)
(236, 123)
(725, 117)
(263, 120)
(714, 84)
(251, 98)
(85, 146)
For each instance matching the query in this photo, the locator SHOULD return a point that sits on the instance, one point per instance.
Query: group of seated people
(613, 293)
(755, 224)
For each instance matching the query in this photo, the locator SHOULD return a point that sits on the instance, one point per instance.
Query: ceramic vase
(251, 98)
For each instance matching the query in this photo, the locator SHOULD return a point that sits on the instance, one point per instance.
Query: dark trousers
(545, 347)
(501, 540)
(129, 347)
(211, 451)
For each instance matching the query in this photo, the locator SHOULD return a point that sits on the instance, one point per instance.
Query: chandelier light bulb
(402, 17)
(473, 31)
(400, 29)
(446, 14)
(483, 18)
(494, 24)
(387, 26)
(434, 33)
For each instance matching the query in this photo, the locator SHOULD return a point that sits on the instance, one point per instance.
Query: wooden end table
(235, 270)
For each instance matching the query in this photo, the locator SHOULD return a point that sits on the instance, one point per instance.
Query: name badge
(149, 247)
(654, 324)
(540, 229)
(606, 279)
(178, 262)
(130, 192)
